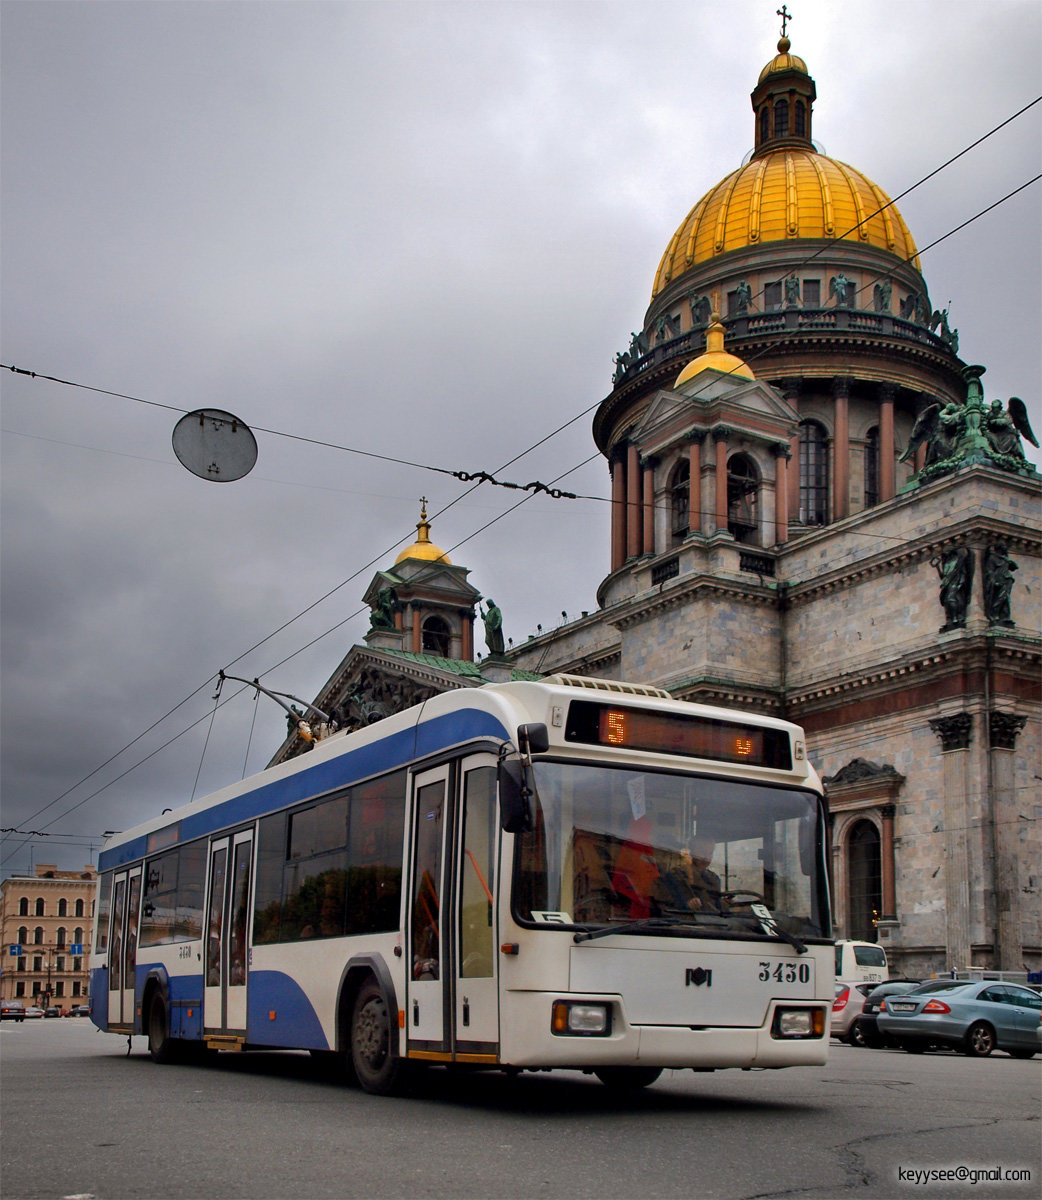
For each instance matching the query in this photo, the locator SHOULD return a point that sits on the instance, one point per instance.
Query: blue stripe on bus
(391, 752)
(280, 1014)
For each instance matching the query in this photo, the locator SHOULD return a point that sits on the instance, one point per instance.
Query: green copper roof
(460, 666)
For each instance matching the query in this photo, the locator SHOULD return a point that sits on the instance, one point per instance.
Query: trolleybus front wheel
(627, 1078)
(161, 1046)
(378, 1068)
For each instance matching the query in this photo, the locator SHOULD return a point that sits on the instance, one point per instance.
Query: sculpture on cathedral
(956, 435)
(743, 296)
(843, 289)
(667, 327)
(493, 619)
(881, 296)
(792, 291)
(382, 616)
(997, 576)
(638, 347)
(949, 336)
(1004, 427)
(955, 567)
(701, 308)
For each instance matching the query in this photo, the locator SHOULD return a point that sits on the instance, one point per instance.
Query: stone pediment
(751, 406)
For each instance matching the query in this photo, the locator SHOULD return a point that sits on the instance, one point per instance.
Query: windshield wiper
(629, 927)
(771, 927)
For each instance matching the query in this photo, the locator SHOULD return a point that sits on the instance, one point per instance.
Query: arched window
(79, 908)
(781, 118)
(799, 119)
(39, 906)
(61, 935)
(872, 467)
(23, 906)
(864, 882)
(680, 502)
(63, 907)
(436, 637)
(77, 935)
(765, 122)
(23, 936)
(743, 487)
(38, 936)
(814, 474)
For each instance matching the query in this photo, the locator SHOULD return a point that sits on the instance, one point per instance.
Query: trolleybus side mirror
(515, 813)
(533, 739)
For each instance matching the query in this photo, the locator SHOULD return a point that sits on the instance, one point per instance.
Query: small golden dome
(715, 358)
(783, 61)
(423, 548)
(786, 194)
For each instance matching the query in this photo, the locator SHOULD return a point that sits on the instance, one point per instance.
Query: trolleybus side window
(332, 868)
(116, 947)
(133, 903)
(215, 919)
(172, 910)
(240, 904)
(426, 897)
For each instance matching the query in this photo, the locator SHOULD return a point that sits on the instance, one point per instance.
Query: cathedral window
(781, 118)
(436, 635)
(680, 502)
(800, 119)
(743, 486)
(864, 881)
(765, 123)
(772, 296)
(814, 474)
(812, 293)
(872, 467)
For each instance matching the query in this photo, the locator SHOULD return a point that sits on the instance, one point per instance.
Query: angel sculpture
(843, 289)
(1005, 427)
(939, 429)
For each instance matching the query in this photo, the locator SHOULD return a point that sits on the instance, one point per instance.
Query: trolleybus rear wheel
(378, 1068)
(627, 1078)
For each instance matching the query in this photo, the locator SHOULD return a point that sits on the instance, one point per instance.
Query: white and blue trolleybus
(572, 873)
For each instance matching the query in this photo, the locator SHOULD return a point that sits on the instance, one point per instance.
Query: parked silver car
(975, 1017)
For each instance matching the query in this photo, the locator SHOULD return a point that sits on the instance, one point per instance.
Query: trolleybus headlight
(580, 1019)
(798, 1023)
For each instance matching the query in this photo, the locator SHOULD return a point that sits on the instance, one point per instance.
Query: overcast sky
(417, 229)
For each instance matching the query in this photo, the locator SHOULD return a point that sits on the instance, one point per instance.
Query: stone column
(720, 435)
(618, 510)
(841, 451)
(1004, 729)
(467, 640)
(633, 523)
(780, 450)
(887, 484)
(955, 732)
(647, 468)
(694, 497)
(886, 864)
(417, 631)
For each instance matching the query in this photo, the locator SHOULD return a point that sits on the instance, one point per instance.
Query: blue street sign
(76, 948)
(15, 950)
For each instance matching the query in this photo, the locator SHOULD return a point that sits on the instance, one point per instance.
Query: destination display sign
(596, 723)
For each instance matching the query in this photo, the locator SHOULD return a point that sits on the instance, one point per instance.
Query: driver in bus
(693, 884)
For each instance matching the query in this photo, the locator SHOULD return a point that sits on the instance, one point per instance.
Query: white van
(861, 962)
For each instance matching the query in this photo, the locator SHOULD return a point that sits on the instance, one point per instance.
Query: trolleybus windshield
(701, 855)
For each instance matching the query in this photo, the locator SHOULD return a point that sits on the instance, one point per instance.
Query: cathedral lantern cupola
(782, 101)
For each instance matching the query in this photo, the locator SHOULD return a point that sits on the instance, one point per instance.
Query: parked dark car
(79, 1010)
(12, 1010)
(867, 1032)
(52, 1010)
(975, 1017)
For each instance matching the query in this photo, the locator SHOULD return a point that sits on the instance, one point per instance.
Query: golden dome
(783, 61)
(423, 548)
(715, 357)
(786, 194)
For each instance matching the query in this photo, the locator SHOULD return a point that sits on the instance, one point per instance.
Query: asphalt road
(82, 1119)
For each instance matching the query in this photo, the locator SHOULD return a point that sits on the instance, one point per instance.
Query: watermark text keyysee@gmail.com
(920, 1176)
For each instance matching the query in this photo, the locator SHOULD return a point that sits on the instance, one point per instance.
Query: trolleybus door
(122, 961)
(226, 964)
(476, 1004)
(427, 936)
